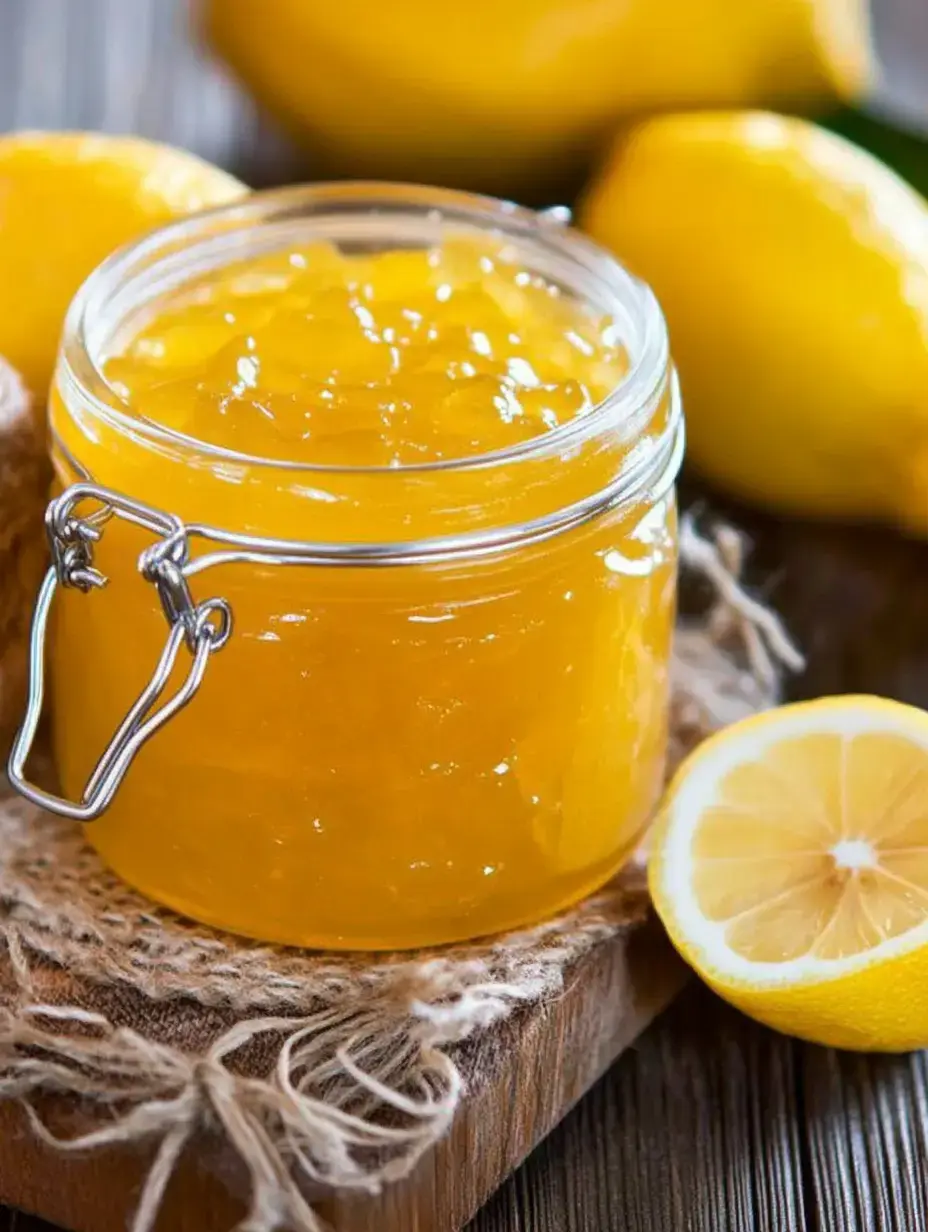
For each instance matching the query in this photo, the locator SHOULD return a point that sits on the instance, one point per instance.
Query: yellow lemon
(790, 868)
(508, 96)
(793, 270)
(67, 200)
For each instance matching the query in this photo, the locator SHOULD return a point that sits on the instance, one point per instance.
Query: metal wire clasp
(202, 627)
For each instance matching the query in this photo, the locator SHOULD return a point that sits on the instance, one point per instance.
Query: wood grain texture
(697, 1129)
(710, 1123)
(521, 1076)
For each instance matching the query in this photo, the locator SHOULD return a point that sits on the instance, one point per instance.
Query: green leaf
(905, 152)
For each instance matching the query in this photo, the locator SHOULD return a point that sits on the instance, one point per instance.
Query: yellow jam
(398, 359)
(381, 756)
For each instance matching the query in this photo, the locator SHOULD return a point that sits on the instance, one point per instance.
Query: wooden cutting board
(523, 1076)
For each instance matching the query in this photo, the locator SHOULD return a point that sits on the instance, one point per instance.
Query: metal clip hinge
(203, 627)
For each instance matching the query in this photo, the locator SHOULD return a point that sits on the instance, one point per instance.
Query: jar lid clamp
(203, 628)
(206, 626)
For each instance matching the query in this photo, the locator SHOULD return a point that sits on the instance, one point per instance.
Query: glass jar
(392, 706)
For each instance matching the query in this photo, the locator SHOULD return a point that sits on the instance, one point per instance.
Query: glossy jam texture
(403, 358)
(380, 757)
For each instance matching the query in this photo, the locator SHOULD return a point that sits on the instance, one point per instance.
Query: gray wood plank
(865, 1127)
(132, 66)
(697, 1128)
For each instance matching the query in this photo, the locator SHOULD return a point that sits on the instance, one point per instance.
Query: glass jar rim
(218, 232)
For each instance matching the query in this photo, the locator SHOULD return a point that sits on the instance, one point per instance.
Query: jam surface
(379, 757)
(394, 359)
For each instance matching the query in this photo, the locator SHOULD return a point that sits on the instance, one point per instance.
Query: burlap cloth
(335, 1070)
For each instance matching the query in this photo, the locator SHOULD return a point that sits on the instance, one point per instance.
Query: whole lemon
(793, 271)
(514, 96)
(67, 200)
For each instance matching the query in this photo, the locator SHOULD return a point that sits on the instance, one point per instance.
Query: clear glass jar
(441, 708)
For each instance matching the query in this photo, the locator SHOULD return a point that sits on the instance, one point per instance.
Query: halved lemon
(790, 868)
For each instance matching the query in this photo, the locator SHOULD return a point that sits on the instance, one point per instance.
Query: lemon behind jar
(506, 95)
(793, 271)
(67, 200)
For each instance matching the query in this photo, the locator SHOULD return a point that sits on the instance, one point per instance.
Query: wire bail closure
(202, 627)
(205, 627)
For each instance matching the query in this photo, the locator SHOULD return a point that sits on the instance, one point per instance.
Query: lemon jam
(387, 360)
(452, 718)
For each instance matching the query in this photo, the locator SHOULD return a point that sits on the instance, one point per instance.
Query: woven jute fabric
(333, 1070)
(24, 479)
(318, 1070)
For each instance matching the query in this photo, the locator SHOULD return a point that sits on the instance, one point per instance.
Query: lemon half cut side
(790, 868)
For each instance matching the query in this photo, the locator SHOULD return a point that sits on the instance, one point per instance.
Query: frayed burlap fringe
(318, 1070)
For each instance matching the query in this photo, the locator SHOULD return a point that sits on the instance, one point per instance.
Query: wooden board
(523, 1077)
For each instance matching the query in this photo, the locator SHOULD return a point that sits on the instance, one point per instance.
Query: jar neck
(617, 452)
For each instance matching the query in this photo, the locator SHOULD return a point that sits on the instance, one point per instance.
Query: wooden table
(711, 1123)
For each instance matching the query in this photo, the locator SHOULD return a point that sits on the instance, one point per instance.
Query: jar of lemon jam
(380, 483)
